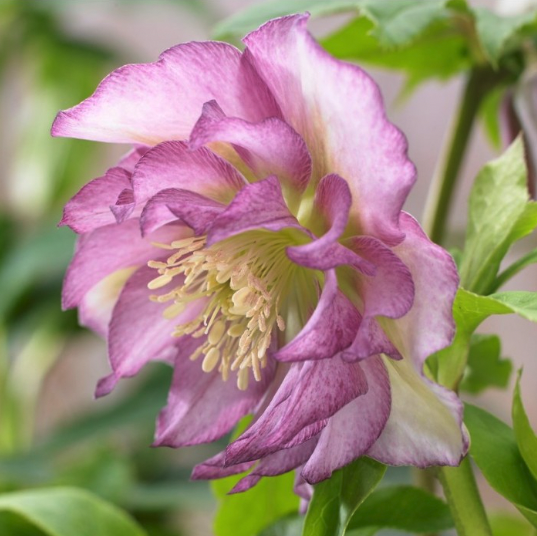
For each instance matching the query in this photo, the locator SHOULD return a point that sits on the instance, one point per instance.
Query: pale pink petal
(201, 407)
(270, 147)
(109, 249)
(138, 331)
(311, 392)
(153, 102)
(174, 165)
(257, 206)
(196, 211)
(90, 207)
(337, 108)
(354, 428)
(331, 328)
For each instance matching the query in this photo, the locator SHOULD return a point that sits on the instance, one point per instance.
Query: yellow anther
(210, 360)
(216, 332)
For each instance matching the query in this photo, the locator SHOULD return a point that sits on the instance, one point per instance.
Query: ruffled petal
(173, 165)
(153, 102)
(270, 147)
(197, 211)
(257, 206)
(90, 207)
(310, 393)
(337, 108)
(202, 407)
(109, 249)
(354, 428)
(330, 329)
(138, 331)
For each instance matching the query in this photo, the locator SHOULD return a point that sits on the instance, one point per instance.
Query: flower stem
(443, 185)
(464, 501)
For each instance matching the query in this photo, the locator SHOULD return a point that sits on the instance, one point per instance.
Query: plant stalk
(464, 501)
(442, 188)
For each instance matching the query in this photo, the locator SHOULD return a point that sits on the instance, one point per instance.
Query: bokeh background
(52, 55)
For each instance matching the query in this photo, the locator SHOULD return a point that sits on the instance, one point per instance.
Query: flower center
(244, 281)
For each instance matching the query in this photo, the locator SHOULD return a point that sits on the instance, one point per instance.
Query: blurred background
(52, 55)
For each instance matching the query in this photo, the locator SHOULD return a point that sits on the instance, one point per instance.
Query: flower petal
(270, 147)
(424, 426)
(90, 207)
(214, 468)
(108, 249)
(138, 332)
(330, 329)
(257, 206)
(331, 207)
(153, 102)
(354, 428)
(337, 108)
(201, 407)
(310, 392)
(173, 165)
(197, 211)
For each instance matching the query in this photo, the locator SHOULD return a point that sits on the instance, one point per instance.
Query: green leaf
(486, 368)
(494, 449)
(525, 436)
(489, 113)
(286, 526)
(497, 200)
(504, 524)
(68, 511)
(403, 508)
(522, 303)
(253, 16)
(495, 30)
(515, 268)
(335, 500)
(245, 514)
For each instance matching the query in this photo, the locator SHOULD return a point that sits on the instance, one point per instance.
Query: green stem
(511, 271)
(464, 501)
(443, 185)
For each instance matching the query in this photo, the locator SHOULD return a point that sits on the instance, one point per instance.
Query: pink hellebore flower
(254, 239)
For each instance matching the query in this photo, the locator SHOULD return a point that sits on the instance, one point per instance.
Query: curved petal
(330, 329)
(201, 407)
(95, 308)
(331, 207)
(354, 428)
(173, 165)
(257, 206)
(270, 147)
(90, 207)
(108, 249)
(197, 211)
(310, 392)
(153, 102)
(425, 423)
(138, 331)
(337, 108)
(214, 468)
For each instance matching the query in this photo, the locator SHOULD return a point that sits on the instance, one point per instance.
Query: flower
(254, 239)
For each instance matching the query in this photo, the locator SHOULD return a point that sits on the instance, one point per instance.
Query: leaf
(497, 200)
(489, 113)
(253, 16)
(494, 449)
(486, 368)
(248, 513)
(449, 48)
(522, 303)
(504, 524)
(403, 508)
(69, 511)
(495, 30)
(336, 500)
(525, 436)
(286, 526)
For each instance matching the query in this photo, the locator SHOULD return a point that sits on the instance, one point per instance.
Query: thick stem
(443, 185)
(464, 501)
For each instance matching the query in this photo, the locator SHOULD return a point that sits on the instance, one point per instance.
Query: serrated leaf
(497, 200)
(494, 449)
(495, 30)
(69, 511)
(525, 436)
(403, 508)
(486, 368)
(336, 500)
